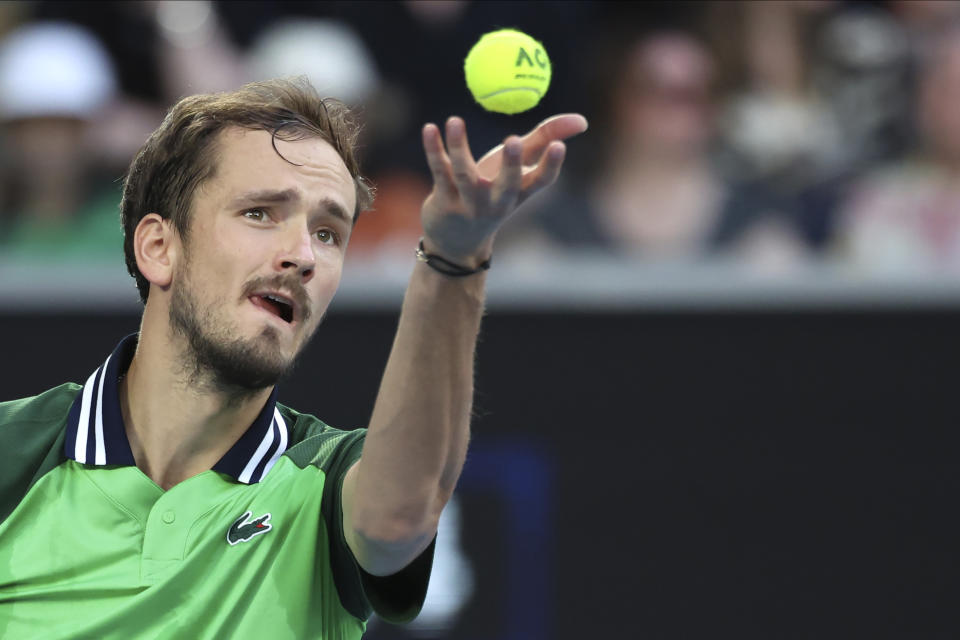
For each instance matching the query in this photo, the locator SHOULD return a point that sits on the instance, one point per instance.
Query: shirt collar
(96, 434)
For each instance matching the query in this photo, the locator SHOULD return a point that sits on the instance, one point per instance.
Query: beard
(216, 357)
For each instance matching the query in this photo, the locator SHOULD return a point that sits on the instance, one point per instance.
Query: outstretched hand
(471, 199)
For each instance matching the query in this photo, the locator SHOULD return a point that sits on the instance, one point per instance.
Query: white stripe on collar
(278, 425)
(80, 446)
(283, 442)
(100, 456)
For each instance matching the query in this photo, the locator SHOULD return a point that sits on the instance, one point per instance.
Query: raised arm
(417, 437)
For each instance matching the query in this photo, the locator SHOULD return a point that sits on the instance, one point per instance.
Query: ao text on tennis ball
(523, 58)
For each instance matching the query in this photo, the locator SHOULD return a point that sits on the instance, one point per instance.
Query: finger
(506, 187)
(437, 158)
(546, 172)
(559, 127)
(464, 166)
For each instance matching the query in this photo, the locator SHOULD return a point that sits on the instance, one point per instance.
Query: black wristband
(446, 267)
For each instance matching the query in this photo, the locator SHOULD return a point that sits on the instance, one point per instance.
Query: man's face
(263, 256)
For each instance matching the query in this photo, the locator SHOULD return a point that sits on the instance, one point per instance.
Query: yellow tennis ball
(507, 71)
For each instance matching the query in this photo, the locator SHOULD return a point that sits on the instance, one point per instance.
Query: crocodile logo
(244, 528)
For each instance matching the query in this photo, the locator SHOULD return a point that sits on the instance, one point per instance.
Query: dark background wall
(656, 475)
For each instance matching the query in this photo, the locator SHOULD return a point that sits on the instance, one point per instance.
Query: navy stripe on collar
(96, 433)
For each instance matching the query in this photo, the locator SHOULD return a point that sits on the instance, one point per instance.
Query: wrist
(459, 266)
(469, 258)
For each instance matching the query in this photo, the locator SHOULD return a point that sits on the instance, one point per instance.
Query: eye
(255, 214)
(326, 236)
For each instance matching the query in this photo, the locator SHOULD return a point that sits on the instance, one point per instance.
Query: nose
(297, 254)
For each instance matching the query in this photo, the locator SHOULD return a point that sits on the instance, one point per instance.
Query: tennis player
(171, 495)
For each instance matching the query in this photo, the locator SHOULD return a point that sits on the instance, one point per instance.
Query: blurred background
(715, 387)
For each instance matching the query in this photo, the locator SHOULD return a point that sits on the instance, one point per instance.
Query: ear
(156, 244)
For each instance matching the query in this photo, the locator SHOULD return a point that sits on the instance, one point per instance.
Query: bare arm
(417, 438)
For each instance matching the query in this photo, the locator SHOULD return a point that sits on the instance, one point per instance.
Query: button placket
(172, 518)
(164, 540)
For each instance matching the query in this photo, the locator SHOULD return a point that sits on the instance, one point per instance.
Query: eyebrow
(329, 206)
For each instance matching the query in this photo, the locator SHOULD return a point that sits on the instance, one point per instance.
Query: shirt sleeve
(396, 598)
(31, 442)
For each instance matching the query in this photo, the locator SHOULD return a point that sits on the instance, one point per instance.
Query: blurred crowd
(769, 134)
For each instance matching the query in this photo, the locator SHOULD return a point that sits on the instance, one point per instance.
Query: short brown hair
(178, 156)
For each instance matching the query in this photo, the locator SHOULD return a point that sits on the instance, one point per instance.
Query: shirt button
(169, 516)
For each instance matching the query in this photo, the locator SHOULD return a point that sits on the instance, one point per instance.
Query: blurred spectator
(654, 191)
(773, 121)
(861, 66)
(815, 87)
(658, 193)
(818, 92)
(195, 52)
(906, 217)
(161, 50)
(54, 77)
(328, 52)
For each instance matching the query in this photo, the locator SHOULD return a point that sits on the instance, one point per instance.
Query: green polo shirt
(90, 547)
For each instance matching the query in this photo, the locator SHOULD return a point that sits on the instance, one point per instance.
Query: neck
(178, 421)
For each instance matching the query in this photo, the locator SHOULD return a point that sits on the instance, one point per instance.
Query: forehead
(246, 160)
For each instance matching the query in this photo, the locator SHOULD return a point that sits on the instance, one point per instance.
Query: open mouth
(278, 306)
